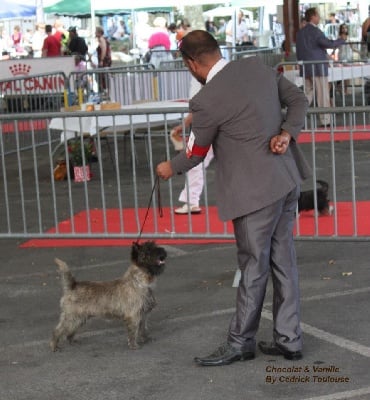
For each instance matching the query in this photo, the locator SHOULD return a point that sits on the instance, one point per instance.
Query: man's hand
(164, 170)
(279, 143)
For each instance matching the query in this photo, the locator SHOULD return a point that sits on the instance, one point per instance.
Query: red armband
(196, 150)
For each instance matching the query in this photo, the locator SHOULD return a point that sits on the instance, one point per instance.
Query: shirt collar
(216, 68)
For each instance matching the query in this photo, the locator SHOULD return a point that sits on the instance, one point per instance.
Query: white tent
(140, 4)
(224, 12)
(256, 3)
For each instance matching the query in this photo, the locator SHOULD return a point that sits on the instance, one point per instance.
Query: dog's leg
(143, 329)
(132, 324)
(66, 327)
(143, 326)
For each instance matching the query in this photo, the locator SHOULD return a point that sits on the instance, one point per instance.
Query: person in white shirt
(121, 31)
(241, 32)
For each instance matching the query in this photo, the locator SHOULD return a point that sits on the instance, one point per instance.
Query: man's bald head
(200, 46)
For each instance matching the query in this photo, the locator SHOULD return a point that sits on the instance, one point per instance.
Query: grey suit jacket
(311, 45)
(238, 112)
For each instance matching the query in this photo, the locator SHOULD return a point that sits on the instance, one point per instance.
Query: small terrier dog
(129, 298)
(306, 199)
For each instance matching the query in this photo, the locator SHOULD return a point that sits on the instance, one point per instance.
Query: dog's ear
(135, 251)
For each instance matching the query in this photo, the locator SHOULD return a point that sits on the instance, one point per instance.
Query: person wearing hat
(159, 43)
(76, 44)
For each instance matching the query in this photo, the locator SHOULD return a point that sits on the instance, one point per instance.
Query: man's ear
(192, 64)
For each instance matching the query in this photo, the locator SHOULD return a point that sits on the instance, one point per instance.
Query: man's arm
(326, 43)
(44, 50)
(103, 46)
(296, 104)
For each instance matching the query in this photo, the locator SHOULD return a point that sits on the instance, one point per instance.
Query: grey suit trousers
(265, 242)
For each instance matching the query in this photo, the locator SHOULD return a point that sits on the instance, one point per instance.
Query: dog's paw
(134, 346)
(54, 348)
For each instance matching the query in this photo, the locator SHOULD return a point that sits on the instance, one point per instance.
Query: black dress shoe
(224, 355)
(273, 350)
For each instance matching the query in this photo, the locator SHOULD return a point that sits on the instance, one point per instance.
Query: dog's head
(149, 256)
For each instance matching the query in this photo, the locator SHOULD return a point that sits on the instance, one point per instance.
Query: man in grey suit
(259, 168)
(311, 45)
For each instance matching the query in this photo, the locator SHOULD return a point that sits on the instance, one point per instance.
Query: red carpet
(339, 136)
(306, 226)
(24, 126)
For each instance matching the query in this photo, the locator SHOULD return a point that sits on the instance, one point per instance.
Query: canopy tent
(222, 12)
(82, 9)
(70, 8)
(256, 3)
(17, 9)
(112, 6)
(85, 8)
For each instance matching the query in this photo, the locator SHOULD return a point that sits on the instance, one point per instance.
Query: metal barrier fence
(29, 94)
(270, 56)
(348, 86)
(112, 204)
(126, 85)
(349, 83)
(132, 86)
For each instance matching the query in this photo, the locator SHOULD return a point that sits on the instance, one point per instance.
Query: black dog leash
(160, 210)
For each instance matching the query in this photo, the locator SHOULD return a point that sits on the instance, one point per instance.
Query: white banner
(27, 68)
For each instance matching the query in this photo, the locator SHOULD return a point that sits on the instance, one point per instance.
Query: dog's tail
(324, 185)
(68, 281)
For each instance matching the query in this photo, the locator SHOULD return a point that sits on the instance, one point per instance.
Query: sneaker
(176, 140)
(185, 209)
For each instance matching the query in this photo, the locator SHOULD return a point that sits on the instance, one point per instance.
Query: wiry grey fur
(129, 298)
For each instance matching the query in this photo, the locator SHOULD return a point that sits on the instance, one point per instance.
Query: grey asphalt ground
(195, 303)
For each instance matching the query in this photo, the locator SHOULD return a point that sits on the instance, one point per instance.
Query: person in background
(38, 40)
(121, 32)
(59, 30)
(81, 66)
(104, 56)
(159, 43)
(210, 26)
(51, 46)
(344, 53)
(222, 27)
(62, 35)
(172, 32)
(332, 19)
(183, 28)
(17, 39)
(142, 32)
(194, 182)
(241, 34)
(311, 45)
(259, 169)
(5, 43)
(27, 42)
(76, 44)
